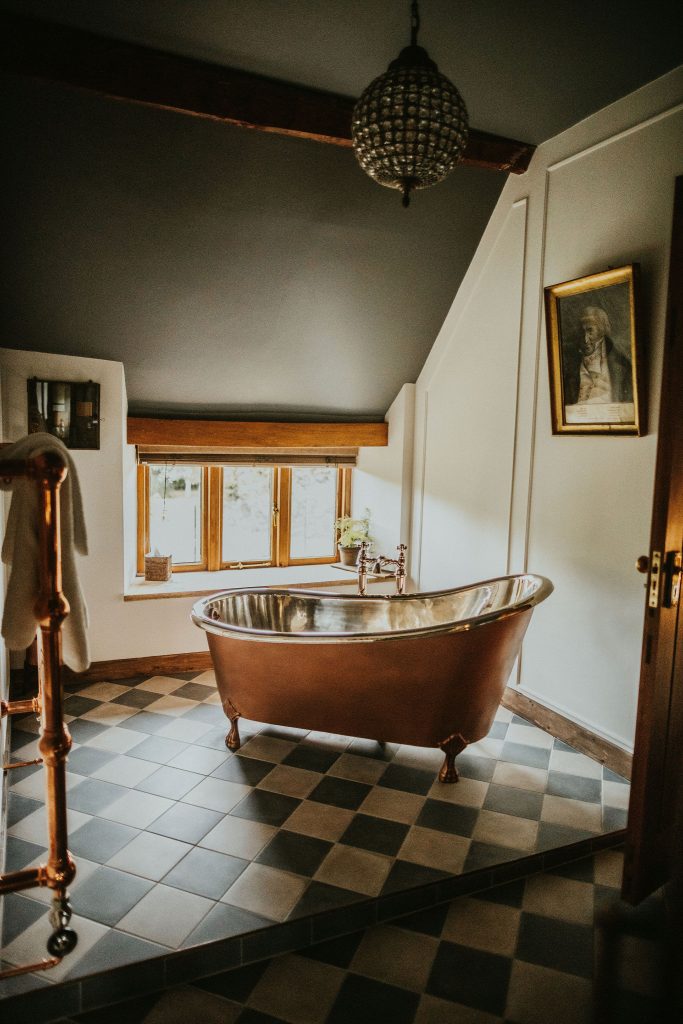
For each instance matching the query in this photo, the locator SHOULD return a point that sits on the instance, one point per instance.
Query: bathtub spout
(451, 747)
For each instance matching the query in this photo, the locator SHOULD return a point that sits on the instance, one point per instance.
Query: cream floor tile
(29, 751)
(434, 849)
(238, 837)
(555, 896)
(484, 925)
(115, 740)
(109, 714)
(266, 891)
(351, 868)
(465, 792)
(183, 1005)
(537, 995)
(615, 794)
(427, 758)
(358, 769)
(267, 748)
(608, 868)
(488, 747)
(34, 786)
(297, 989)
(520, 776)
(561, 810)
(396, 956)
(160, 684)
(149, 856)
(290, 781)
(575, 764)
(33, 828)
(503, 714)
(529, 735)
(216, 794)
(185, 730)
(125, 771)
(392, 804)
(207, 678)
(29, 946)
(171, 704)
(213, 699)
(103, 691)
(441, 1011)
(138, 809)
(166, 915)
(321, 821)
(505, 830)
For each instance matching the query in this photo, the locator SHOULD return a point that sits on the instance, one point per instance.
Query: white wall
(494, 490)
(382, 478)
(133, 629)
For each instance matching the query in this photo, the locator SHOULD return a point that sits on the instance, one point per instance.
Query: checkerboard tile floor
(522, 953)
(179, 842)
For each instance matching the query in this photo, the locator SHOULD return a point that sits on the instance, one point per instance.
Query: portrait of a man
(594, 369)
(591, 348)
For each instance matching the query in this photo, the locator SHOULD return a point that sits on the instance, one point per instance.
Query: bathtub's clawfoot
(232, 740)
(451, 747)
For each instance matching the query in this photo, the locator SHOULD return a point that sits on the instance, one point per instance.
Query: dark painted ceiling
(242, 274)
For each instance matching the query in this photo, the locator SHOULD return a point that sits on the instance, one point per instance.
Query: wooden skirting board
(125, 668)
(577, 736)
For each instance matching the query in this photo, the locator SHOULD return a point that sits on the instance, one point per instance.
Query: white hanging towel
(21, 551)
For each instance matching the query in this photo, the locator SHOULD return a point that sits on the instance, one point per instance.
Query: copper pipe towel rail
(49, 471)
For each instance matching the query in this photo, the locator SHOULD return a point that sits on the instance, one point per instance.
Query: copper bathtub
(423, 669)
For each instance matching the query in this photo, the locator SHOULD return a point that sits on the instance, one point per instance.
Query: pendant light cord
(414, 23)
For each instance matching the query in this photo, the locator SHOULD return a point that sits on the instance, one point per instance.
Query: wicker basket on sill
(158, 568)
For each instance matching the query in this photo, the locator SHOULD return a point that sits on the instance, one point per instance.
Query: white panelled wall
(494, 490)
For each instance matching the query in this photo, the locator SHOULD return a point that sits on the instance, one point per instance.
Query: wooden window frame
(212, 521)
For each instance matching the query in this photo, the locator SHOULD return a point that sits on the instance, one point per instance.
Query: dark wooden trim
(582, 739)
(125, 668)
(137, 74)
(248, 434)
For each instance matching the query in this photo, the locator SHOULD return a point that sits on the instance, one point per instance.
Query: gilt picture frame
(595, 354)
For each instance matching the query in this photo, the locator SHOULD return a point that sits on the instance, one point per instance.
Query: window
(210, 517)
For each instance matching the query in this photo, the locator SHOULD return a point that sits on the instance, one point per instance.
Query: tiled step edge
(57, 1001)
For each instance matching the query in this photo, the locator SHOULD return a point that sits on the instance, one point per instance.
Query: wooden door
(658, 753)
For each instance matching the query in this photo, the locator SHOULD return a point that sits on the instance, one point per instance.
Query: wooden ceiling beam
(137, 74)
(254, 434)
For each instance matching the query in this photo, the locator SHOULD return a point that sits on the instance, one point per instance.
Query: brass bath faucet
(379, 563)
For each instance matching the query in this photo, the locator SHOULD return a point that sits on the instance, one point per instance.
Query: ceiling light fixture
(410, 126)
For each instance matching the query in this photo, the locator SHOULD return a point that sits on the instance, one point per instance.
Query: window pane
(175, 512)
(247, 514)
(314, 503)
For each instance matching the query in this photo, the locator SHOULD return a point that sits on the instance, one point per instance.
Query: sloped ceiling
(236, 273)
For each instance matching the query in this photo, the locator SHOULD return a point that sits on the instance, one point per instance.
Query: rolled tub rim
(541, 591)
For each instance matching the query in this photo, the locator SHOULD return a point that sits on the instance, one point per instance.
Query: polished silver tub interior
(424, 669)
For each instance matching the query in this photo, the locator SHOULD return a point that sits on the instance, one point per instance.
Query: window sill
(196, 584)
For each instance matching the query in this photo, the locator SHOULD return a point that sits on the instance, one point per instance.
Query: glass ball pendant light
(409, 127)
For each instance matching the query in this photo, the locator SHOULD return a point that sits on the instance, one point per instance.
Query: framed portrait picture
(595, 356)
(68, 409)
